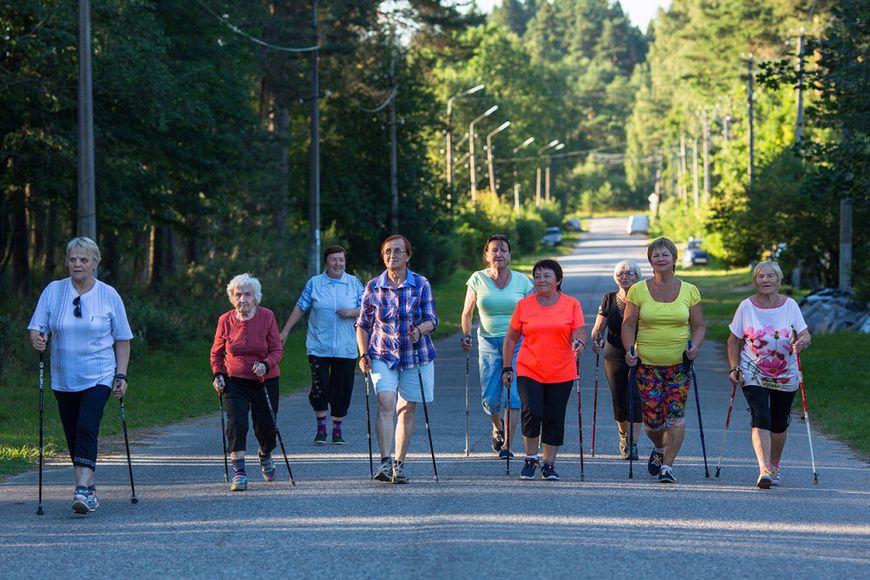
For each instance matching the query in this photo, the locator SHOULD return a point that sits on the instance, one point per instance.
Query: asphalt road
(477, 522)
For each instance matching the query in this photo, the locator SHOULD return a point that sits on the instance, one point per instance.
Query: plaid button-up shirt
(388, 314)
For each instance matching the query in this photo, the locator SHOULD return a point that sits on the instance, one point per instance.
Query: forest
(202, 114)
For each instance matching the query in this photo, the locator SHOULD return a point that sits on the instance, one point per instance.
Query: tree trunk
(20, 265)
(281, 206)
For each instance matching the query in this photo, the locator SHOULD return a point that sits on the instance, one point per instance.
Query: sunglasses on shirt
(77, 302)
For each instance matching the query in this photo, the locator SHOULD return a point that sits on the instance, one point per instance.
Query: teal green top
(496, 305)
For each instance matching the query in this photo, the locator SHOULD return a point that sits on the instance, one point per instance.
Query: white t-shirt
(767, 358)
(82, 353)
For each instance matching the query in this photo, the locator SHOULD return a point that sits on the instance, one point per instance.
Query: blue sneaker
(529, 468)
(240, 481)
(267, 468)
(548, 471)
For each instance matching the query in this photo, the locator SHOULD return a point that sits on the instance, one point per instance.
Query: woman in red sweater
(244, 358)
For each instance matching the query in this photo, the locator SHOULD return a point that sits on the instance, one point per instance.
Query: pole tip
(134, 500)
(39, 511)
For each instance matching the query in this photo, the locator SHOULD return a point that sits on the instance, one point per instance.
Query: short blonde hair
(632, 265)
(662, 243)
(245, 281)
(88, 245)
(769, 264)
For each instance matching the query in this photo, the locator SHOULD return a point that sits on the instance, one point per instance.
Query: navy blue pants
(80, 415)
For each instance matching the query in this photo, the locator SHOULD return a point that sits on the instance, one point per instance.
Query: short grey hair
(86, 244)
(245, 281)
(632, 265)
(769, 264)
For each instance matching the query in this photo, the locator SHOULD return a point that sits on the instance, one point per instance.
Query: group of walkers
(530, 339)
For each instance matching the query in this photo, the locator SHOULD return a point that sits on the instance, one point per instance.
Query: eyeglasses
(626, 274)
(392, 252)
(77, 302)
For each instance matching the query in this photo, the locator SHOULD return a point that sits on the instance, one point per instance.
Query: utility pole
(449, 149)
(684, 194)
(749, 103)
(471, 161)
(537, 187)
(695, 188)
(706, 155)
(394, 150)
(489, 137)
(799, 130)
(314, 164)
(87, 222)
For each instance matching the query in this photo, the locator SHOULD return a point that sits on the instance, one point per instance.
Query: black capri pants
(616, 372)
(331, 384)
(771, 410)
(543, 409)
(80, 414)
(241, 396)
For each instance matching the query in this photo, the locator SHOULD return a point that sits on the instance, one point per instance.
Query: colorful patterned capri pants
(663, 392)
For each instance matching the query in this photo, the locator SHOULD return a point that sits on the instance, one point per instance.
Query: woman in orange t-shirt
(554, 337)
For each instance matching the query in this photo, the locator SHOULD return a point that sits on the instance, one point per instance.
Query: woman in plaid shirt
(395, 319)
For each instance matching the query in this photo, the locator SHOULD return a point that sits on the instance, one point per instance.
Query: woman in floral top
(766, 332)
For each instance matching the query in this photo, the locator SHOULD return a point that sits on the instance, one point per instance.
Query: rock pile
(828, 310)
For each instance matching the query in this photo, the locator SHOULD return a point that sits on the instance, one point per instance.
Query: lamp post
(516, 149)
(558, 147)
(549, 145)
(488, 112)
(489, 137)
(450, 131)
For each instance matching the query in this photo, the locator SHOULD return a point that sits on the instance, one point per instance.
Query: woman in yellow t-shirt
(662, 315)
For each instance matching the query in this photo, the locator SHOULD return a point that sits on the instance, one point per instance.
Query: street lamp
(489, 137)
(450, 131)
(558, 147)
(549, 145)
(488, 112)
(516, 149)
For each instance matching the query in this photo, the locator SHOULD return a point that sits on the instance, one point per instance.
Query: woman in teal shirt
(495, 292)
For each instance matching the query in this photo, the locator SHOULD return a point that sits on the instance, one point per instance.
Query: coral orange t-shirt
(546, 355)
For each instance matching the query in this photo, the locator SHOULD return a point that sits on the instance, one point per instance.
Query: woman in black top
(626, 273)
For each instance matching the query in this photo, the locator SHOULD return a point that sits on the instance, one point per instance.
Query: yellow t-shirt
(663, 327)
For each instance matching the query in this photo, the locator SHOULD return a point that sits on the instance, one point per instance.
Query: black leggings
(543, 409)
(80, 414)
(617, 377)
(771, 410)
(242, 395)
(331, 384)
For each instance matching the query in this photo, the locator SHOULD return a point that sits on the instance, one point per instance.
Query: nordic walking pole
(595, 399)
(806, 417)
(507, 434)
(133, 498)
(725, 434)
(224, 437)
(698, 405)
(39, 510)
(632, 385)
(580, 417)
(369, 426)
(277, 431)
(425, 409)
(467, 407)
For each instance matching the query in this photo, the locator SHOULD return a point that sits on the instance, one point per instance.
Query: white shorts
(406, 382)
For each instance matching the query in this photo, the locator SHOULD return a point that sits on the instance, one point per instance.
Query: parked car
(552, 236)
(572, 225)
(637, 224)
(694, 255)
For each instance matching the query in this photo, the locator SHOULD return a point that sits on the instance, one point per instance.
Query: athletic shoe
(775, 475)
(623, 445)
(93, 504)
(654, 465)
(529, 468)
(497, 440)
(80, 500)
(548, 471)
(764, 479)
(267, 468)
(505, 453)
(399, 472)
(320, 438)
(385, 470)
(240, 482)
(667, 476)
(337, 439)
(634, 454)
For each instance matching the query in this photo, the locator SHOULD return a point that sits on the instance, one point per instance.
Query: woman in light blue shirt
(495, 292)
(332, 300)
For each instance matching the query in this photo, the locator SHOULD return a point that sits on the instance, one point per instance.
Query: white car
(637, 224)
(552, 236)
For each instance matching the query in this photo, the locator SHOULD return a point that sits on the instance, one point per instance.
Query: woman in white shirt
(766, 332)
(90, 350)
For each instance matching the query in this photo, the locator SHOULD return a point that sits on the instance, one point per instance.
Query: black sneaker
(549, 472)
(529, 468)
(497, 440)
(399, 472)
(385, 470)
(654, 465)
(505, 453)
(667, 476)
(634, 454)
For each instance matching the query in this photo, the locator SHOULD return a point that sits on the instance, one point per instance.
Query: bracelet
(507, 370)
(265, 364)
(120, 376)
(583, 344)
(735, 369)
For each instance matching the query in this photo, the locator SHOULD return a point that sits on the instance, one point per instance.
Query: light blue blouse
(330, 335)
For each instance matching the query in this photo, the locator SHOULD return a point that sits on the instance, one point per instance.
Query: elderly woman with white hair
(244, 358)
(607, 335)
(90, 350)
(767, 331)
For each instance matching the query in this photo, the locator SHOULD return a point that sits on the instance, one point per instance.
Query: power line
(254, 39)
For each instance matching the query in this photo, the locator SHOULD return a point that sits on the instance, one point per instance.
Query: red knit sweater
(238, 344)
